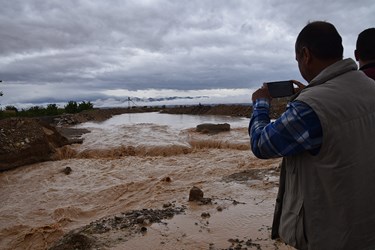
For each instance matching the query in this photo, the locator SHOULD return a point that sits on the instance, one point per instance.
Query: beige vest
(329, 201)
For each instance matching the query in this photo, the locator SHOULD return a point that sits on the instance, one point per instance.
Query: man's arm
(297, 130)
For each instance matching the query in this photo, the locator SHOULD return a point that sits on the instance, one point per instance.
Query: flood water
(122, 165)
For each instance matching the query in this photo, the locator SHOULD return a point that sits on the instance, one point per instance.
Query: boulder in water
(196, 194)
(212, 128)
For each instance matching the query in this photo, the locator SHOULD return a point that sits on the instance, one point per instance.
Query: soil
(25, 141)
(278, 107)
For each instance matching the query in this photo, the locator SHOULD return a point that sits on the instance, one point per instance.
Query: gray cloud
(65, 49)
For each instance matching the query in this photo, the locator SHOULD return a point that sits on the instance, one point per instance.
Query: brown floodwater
(124, 166)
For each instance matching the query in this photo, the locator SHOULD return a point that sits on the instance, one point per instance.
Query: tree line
(71, 107)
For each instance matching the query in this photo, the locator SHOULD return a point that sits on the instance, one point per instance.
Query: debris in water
(67, 170)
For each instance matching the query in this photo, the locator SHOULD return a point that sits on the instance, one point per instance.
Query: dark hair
(366, 45)
(322, 39)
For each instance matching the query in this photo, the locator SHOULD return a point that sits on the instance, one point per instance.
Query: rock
(67, 170)
(205, 215)
(166, 205)
(75, 241)
(205, 201)
(72, 134)
(140, 219)
(26, 141)
(167, 179)
(196, 194)
(91, 236)
(212, 128)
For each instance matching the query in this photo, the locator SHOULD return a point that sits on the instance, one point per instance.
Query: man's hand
(300, 86)
(261, 93)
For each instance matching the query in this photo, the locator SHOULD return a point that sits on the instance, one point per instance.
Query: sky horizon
(211, 51)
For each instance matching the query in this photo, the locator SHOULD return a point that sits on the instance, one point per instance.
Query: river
(123, 165)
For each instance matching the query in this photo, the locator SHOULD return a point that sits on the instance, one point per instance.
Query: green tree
(52, 109)
(71, 107)
(9, 111)
(11, 108)
(85, 106)
(35, 111)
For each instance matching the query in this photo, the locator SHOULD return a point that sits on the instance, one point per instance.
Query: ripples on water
(122, 165)
(155, 134)
(150, 129)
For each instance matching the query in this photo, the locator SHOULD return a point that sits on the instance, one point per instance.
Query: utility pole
(131, 101)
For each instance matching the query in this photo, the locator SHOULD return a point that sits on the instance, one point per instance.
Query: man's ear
(306, 55)
(356, 55)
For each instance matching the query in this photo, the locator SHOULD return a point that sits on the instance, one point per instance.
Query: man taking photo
(326, 137)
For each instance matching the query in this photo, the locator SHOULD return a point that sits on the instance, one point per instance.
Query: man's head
(365, 48)
(318, 45)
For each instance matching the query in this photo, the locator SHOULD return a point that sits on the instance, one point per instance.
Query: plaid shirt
(297, 130)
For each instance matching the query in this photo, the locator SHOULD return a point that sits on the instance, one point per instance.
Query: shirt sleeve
(297, 130)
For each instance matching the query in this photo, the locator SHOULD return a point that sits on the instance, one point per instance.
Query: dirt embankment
(26, 141)
(277, 108)
(230, 110)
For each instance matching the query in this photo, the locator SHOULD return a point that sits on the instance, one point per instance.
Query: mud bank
(26, 141)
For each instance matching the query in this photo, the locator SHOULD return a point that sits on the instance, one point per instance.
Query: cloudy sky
(53, 51)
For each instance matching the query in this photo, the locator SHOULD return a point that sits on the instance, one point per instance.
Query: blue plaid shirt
(297, 130)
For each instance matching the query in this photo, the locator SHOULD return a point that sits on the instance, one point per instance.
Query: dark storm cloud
(87, 47)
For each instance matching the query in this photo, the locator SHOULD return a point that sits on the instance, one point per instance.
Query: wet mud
(128, 188)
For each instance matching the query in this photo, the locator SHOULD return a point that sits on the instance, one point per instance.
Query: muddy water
(123, 165)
